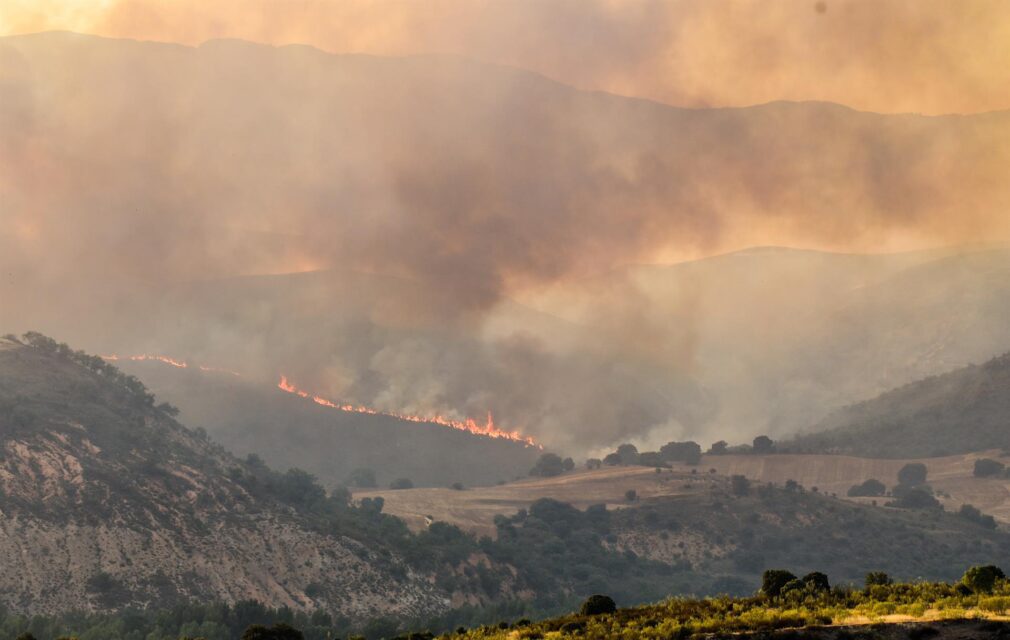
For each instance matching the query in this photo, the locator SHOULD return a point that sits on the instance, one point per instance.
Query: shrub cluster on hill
(783, 601)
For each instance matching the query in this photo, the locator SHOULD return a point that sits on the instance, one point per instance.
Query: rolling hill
(108, 502)
(288, 431)
(964, 410)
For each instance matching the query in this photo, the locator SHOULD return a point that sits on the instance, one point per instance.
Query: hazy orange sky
(925, 56)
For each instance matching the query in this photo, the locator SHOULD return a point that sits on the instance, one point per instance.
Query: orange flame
(169, 361)
(470, 425)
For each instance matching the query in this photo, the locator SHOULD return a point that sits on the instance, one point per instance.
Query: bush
(763, 444)
(401, 483)
(869, 488)
(986, 468)
(598, 604)
(549, 465)
(739, 485)
(686, 452)
(773, 581)
(913, 498)
(631, 495)
(816, 581)
(972, 514)
(279, 631)
(912, 474)
(362, 479)
(627, 453)
(982, 579)
(877, 579)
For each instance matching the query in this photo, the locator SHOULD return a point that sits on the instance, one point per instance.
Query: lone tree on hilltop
(597, 605)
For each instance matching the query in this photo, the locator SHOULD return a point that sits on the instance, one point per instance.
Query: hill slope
(965, 410)
(287, 431)
(107, 501)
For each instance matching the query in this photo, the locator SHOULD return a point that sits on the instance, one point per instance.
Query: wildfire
(170, 361)
(470, 425)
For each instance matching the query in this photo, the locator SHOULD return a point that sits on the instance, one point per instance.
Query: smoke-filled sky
(150, 193)
(922, 56)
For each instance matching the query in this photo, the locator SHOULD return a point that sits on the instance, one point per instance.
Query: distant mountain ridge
(965, 410)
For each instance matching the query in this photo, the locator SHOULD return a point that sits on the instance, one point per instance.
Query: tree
(868, 488)
(687, 452)
(628, 453)
(982, 579)
(877, 579)
(373, 505)
(594, 463)
(401, 483)
(739, 485)
(612, 460)
(568, 464)
(912, 474)
(986, 468)
(972, 514)
(597, 605)
(548, 465)
(816, 581)
(906, 497)
(718, 448)
(279, 631)
(362, 479)
(763, 444)
(26, 636)
(773, 580)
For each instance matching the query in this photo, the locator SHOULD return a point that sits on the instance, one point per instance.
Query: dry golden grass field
(473, 509)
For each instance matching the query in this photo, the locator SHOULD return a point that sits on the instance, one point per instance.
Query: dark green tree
(548, 465)
(912, 474)
(773, 580)
(739, 485)
(987, 468)
(868, 488)
(763, 444)
(597, 605)
(982, 579)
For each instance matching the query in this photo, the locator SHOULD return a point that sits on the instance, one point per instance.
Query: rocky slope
(106, 500)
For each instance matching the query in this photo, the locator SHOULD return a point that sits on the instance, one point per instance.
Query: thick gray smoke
(147, 189)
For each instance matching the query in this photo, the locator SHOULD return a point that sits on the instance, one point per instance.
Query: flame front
(470, 425)
(181, 364)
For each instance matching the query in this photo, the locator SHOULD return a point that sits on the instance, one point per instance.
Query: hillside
(967, 409)
(247, 417)
(681, 517)
(107, 501)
